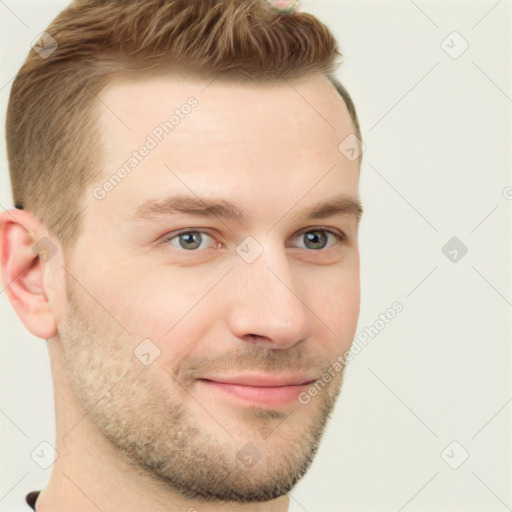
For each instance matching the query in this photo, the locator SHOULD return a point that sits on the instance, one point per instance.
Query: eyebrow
(340, 204)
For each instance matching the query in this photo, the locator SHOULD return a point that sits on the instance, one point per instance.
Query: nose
(266, 307)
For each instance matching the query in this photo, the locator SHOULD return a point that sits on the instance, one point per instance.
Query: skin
(154, 437)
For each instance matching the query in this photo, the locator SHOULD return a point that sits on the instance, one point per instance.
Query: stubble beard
(156, 435)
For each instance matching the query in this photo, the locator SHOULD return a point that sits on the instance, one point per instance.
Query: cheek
(131, 299)
(175, 312)
(343, 309)
(159, 313)
(337, 302)
(146, 302)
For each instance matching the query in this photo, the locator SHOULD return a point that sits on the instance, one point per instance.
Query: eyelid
(334, 231)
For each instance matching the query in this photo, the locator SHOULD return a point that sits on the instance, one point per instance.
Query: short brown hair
(52, 138)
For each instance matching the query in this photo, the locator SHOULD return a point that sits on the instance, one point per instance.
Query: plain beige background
(432, 84)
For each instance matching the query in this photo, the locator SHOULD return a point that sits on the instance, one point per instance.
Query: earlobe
(25, 250)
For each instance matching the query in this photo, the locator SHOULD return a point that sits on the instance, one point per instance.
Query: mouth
(260, 389)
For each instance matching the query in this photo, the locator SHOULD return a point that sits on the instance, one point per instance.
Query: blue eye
(317, 239)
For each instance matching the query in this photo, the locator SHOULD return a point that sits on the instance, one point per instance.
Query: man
(185, 176)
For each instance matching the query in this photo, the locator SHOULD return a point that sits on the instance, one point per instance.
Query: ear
(25, 250)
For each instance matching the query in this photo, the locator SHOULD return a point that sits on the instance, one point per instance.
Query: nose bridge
(265, 303)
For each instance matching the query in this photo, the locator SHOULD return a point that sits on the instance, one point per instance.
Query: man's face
(190, 351)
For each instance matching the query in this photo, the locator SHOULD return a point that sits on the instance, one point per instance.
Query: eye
(189, 240)
(314, 239)
(318, 239)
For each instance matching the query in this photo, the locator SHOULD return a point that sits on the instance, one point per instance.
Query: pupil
(318, 238)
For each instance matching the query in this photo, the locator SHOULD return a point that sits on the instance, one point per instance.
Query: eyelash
(340, 237)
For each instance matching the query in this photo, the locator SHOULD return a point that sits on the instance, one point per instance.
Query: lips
(263, 380)
(262, 389)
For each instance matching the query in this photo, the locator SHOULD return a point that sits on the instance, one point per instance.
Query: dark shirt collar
(31, 498)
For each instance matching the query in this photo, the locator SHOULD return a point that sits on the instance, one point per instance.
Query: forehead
(223, 138)
(131, 105)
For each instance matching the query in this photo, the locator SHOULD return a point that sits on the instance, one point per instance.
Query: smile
(260, 389)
